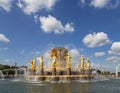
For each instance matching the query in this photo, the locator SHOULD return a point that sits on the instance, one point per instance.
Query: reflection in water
(85, 88)
(110, 86)
(51, 88)
(61, 88)
(81, 87)
(37, 89)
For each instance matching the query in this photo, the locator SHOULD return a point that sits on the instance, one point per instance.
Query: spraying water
(1, 75)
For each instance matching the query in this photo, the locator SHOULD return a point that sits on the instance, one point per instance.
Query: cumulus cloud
(36, 52)
(3, 38)
(4, 48)
(96, 39)
(51, 24)
(115, 48)
(83, 1)
(36, 18)
(113, 59)
(95, 66)
(6, 4)
(69, 27)
(7, 60)
(97, 54)
(101, 3)
(47, 58)
(33, 6)
(75, 55)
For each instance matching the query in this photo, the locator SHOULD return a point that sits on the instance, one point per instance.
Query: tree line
(9, 70)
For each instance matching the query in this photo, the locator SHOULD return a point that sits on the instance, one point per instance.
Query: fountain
(60, 70)
(1, 75)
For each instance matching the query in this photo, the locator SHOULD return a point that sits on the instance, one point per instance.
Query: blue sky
(31, 28)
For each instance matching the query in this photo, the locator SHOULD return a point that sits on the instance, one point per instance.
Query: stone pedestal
(82, 72)
(68, 71)
(41, 72)
(68, 74)
(53, 71)
(54, 78)
(41, 78)
(88, 72)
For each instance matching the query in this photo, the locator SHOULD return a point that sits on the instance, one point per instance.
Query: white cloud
(33, 6)
(83, 1)
(51, 24)
(96, 39)
(97, 54)
(101, 3)
(36, 18)
(113, 59)
(115, 4)
(3, 38)
(69, 27)
(6, 4)
(47, 58)
(95, 66)
(75, 55)
(115, 48)
(36, 52)
(7, 60)
(5, 48)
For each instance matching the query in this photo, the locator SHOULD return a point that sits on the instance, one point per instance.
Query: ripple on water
(16, 86)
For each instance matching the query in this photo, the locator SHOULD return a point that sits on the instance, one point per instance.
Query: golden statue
(68, 61)
(85, 66)
(88, 64)
(41, 63)
(54, 61)
(34, 64)
(31, 65)
(82, 63)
